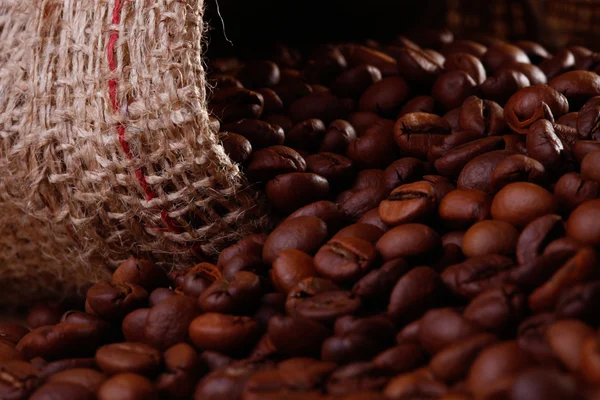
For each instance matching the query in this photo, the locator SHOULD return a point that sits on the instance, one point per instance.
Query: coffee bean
(87, 378)
(401, 358)
(462, 207)
(233, 104)
(307, 288)
(306, 135)
(537, 234)
(533, 73)
(590, 166)
(259, 74)
(571, 191)
(167, 322)
(201, 276)
(415, 133)
(17, 379)
(577, 86)
(580, 302)
(501, 53)
(384, 97)
(12, 331)
(339, 135)
(425, 104)
(453, 362)
(63, 390)
(361, 121)
(127, 386)
(128, 357)
(290, 267)
(322, 105)
(490, 237)
(54, 367)
(420, 384)
(239, 296)
(590, 360)
(415, 292)
(497, 310)
(331, 213)
(159, 295)
(465, 46)
(325, 64)
(259, 133)
(482, 116)
(356, 377)
(543, 383)
(297, 336)
(60, 341)
(407, 203)
(326, 307)
(566, 338)
(115, 300)
(452, 88)
(355, 81)
(275, 160)
(370, 233)
(179, 379)
(272, 101)
(535, 51)
(443, 326)
(532, 339)
(304, 233)
(224, 81)
(588, 119)
(477, 274)
(345, 259)
(477, 173)
(544, 145)
(377, 285)
(453, 162)
(228, 382)
(375, 149)
(521, 202)
(134, 325)
(356, 54)
(291, 191)
(531, 104)
(517, 168)
(228, 334)
(250, 244)
(569, 120)
(581, 226)
(468, 63)
(358, 203)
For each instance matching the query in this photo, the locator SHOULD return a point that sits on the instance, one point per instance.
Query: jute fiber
(105, 146)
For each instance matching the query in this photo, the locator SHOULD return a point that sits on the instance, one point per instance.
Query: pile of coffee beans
(439, 227)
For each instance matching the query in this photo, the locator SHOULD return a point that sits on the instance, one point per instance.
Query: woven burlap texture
(105, 147)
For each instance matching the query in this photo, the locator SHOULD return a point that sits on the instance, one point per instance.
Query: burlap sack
(105, 147)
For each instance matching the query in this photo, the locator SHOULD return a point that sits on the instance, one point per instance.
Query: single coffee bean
(544, 145)
(425, 104)
(462, 207)
(504, 84)
(589, 366)
(141, 272)
(377, 285)
(532, 339)
(356, 377)
(501, 53)
(494, 363)
(324, 65)
(44, 314)
(571, 191)
(167, 322)
(201, 276)
(566, 338)
(228, 382)
(62, 340)
(372, 217)
(159, 295)
(62, 390)
(272, 101)
(414, 293)
(415, 133)
(465, 46)
(385, 96)
(12, 331)
(401, 358)
(322, 105)
(490, 237)
(87, 378)
(581, 225)
(453, 362)
(452, 88)
(297, 336)
(290, 267)
(453, 162)
(339, 135)
(250, 244)
(405, 170)
(345, 259)
(223, 81)
(563, 244)
(260, 134)
(306, 135)
(357, 54)
(328, 306)
(408, 240)
(416, 65)
(577, 86)
(303, 233)
(368, 232)
(497, 310)
(233, 104)
(134, 325)
(590, 166)
(182, 371)
(521, 202)
(477, 274)
(291, 191)
(259, 74)
(417, 384)
(291, 89)
(137, 358)
(468, 63)
(331, 213)
(115, 300)
(228, 334)
(535, 51)
(579, 302)
(588, 119)
(482, 116)
(272, 161)
(569, 120)
(534, 73)
(355, 81)
(531, 104)
(536, 235)
(240, 295)
(367, 178)
(307, 288)
(477, 173)
(517, 168)
(127, 386)
(443, 326)
(358, 203)
(407, 203)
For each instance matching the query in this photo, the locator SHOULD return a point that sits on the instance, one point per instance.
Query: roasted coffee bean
(12, 332)
(223, 81)
(499, 54)
(252, 244)
(303, 233)
(452, 117)
(416, 384)
(563, 244)
(569, 120)
(405, 170)
(414, 293)
(498, 309)
(401, 358)
(517, 168)
(60, 341)
(453, 162)
(385, 96)
(44, 314)
(415, 64)
(324, 65)
(464, 46)
(535, 51)
(537, 235)
(331, 213)
(451, 142)
(566, 338)
(179, 379)
(370, 233)
(494, 363)
(115, 300)
(522, 202)
(371, 217)
(581, 225)
(322, 105)
(134, 325)
(291, 191)
(259, 74)
(355, 81)
(490, 237)
(571, 191)
(408, 240)
(453, 362)
(201, 276)
(358, 203)
(356, 377)
(544, 145)
(275, 160)
(468, 63)
(577, 86)
(238, 296)
(482, 116)
(128, 357)
(462, 207)
(543, 383)
(282, 121)
(167, 322)
(425, 104)
(297, 336)
(477, 274)
(443, 326)
(452, 88)
(588, 119)
(141, 272)
(127, 386)
(357, 54)
(378, 284)
(590, 360)
(306, 135)
(375, 149)
(532, 339)
(590, 166)
(415, 133)
(228, 382)
(561, 62)
(228, 334)
(307, 288)
(65, 364)
(233, 104)
(345, 259)
(535, 75)
(272, 102)
(367, 178)
(326, 307)
(87, 378)
(580, 302)
(504, 84)
(361, 121)
(17, 379)
(260, 134)
(338, 136)
(531, 104)
(407, 203)
(290, 267)
(477, 173)
(63, 390)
